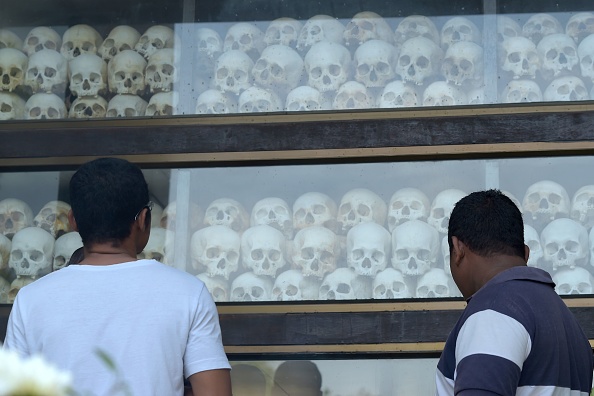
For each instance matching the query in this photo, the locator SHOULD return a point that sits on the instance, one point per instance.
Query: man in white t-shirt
(156, 324)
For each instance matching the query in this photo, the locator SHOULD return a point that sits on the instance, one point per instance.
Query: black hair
(105, 196)
(489, 223)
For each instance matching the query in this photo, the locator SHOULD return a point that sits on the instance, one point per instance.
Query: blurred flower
(32, 376)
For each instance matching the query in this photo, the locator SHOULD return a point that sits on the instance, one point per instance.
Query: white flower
(32, 376)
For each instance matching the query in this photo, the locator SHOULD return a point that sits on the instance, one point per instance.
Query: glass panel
(328, 231)
(334, 377)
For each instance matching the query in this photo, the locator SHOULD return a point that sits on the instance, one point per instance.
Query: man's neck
(109, 253)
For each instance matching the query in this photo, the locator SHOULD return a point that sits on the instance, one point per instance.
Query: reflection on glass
(317, 232)
(334, 377)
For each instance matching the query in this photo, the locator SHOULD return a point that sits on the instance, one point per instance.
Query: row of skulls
(126, 66)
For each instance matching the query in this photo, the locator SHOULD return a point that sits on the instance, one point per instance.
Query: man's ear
(142, 219)
(526, 253)
(72, 220)
(458, 250)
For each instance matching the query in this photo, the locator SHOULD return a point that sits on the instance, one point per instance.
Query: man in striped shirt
(516, 335)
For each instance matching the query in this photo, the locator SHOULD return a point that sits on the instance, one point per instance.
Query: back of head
(105, 196)
(489, 223)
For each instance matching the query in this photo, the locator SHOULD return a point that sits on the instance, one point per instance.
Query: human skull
(279, 68)
(532, 240)
(565, 243)
(291, 285)
(416, 26)
(53, 218)
(521, 91)
(251, 287)
(442, 93)
(433, 284)
(245, 37)
(476, 96)
(88, 107)
(227, 212)
(558, 54)
(216, 251)
(161, 72)
(304, 98)
(119, 39)
(398, 94)
(374, 63)
(316, 251)
(13, 69)
(155, 38)
(47, 71)
(263, 250)
(360, 205)
(64, 247)
(213, 101)
(407, 204)
(45, 106)
(14, 216)
(126, 106)
(320, 28)
(12, 106)
(32, 252)
(586, 55)
(284, 31)
(390, 284)
(327, 66)
(16, 286)
(415, 247)
(4, 290)
(541, 25)
(445, 255)
(9, 39)
(125, 73)
(420, 59)
(459, 29)
(217, 286)
(441, 208)
(463, 64)
(5, 245)
(582, 206)
(259, 100)
(345, 284)
(507, 28)
(168, 217)
(314, 209)
(233, 72)
(519, 57)
(368, 248)
(568, 88)
(209, 46)
(274, 212)
(160, 246)
(88, 75)
(80, 39)
(573, 281)
(41, 37)
(353, 95)
(545, 201)
(365, 26)
(580, 25)
(163, 104)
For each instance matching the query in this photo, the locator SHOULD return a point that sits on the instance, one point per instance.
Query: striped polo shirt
(516, 337)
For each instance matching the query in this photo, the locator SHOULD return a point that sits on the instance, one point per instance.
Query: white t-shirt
(156, 323)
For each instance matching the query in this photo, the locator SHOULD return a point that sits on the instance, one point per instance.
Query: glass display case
(303, 158)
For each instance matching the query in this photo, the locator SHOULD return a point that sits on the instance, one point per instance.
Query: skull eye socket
(363, 69)
(364, 210)
(416, 205)
(168, 70)
(262, 213)
(287, 29)
(584, 288)
(514, 57)
(423, 291)
(307, 253)
(464, 29)
(551, 248)
(261, 64)
(232, 256)
(245, 39)
(15, 72)
(257, 292)
(465, 65)
(334, 70)
(316, 72)
(358, 254)
(404, 60)
(292, 290)
(33, 41)
(564, 288)
(569, 51)
(68, 46)
(213, 252)
(438, 213)
(397, 205)
(360, 97)
(280, 210)
(389, 97)
(402, 254)
(35, 112)
(257, 254)
(87, 46)
(158, 257)
(319, 209)
(534, 245)
(5, 108)
(315, 30)
(240, 75)
(377, 256)
(398, 287)
(33, 72)
(343, 288)
(276, 70)
(366, 25)
(95, 78)
(137, 76)
(441, 290)
(572, 247)
(157, 44)
(552, 54)
(129, 112)
(382, 68)
(77, 78)
(212, 41)
(108, 43)
(293, 106)
(36, 255)
(586, 61)
(300, 214)
(119, 76)
(219, 108)
(379, 290)
(326, 256)
(344, 209)
(223, 72)
(555, 199)
(424, 255)
(151, 69)
(60, 261)
(274, 255)
(422, 62)
(548, 24)
(16, 254)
